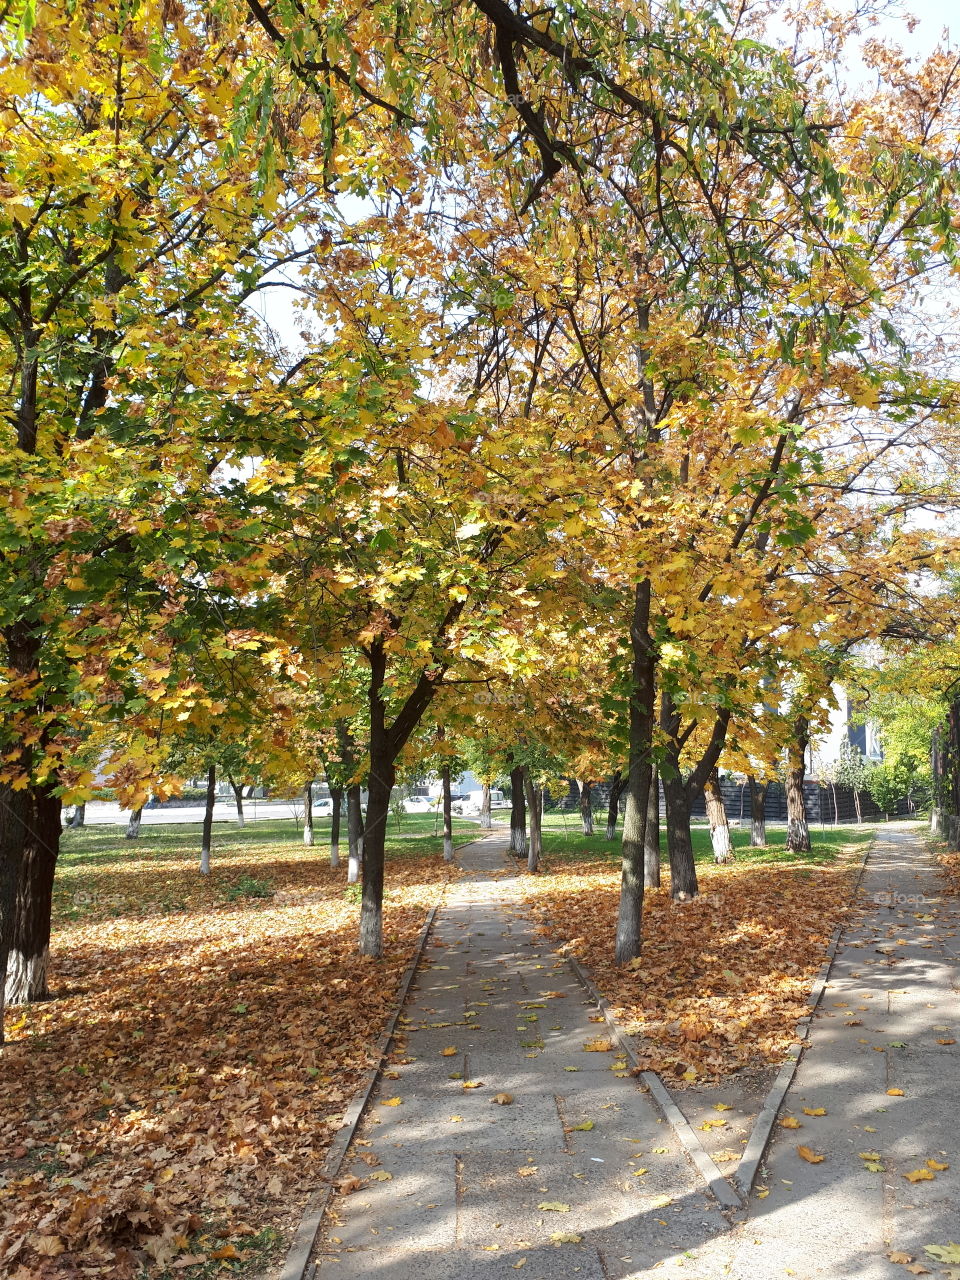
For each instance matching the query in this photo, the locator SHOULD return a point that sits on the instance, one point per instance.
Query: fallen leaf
(381, 1175)
(896, 1256)
(565, 1237)
(473, 1084)
(935, 1164)
(456, 1119)
(554, 1206)
(451, 1051)
(502, 1099)
(790, 1122)
(527, 1171)
(919, 1175)
(521, 1263)
(598, 1046)
(814, 1111)
(392, 1102)
(943, 1252)
(945, 1041)
(586, 1126)
(722, 1106)
(895, 1093)
(812, 1157)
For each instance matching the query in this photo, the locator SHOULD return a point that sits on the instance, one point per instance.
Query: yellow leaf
(919, 1175)
(456, 1119)
(598, 1046)
(473, 1084)
(586, 1126)
(449, 1052)
(554, 1206)
(895, 1093)
(896, 1256)
(814, 1111)
(812, 1157)
(565, 1237)
(502, 1099)
(790, 1122)
(392, 1102)
(521, 1263)
(721, 1106)
(381, 1175)
(935, 1164)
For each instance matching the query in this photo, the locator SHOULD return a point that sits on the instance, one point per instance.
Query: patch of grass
(567, 843)
(248, 887)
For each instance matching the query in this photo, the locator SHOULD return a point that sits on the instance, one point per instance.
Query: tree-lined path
(550, 1183)
(471, 1175)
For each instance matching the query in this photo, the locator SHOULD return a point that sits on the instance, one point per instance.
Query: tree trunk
(758, 813)
(683, 871)
(206, 838)
(836, 807)
(651, 835)
(486, 821)
(586, 805)
(613, 804)
(518, 814)
(308, 813)
(354, 835)
(447, 814)
(534, 798)
(15, 833)
(717, 817)
(856, 804)
(26, 973)
(79, 817)
(639, 771)
(336, 796)
(133, 826)
(379, 788)
(798, 830)
(238, 797)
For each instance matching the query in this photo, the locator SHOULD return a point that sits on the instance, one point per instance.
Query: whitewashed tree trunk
(486, 822)
(133, 826)
(758, 813)
(518, 814)
(534, 798)
(238, 797)
(586, 805)
(207, 836)
(717, 817)
(308, 813)
(447, 815)
(336, 796)
(354, 836)
(79, 816)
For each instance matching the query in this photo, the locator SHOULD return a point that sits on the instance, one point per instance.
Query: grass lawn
(171, 1107)
(721, 981)
(563, 840)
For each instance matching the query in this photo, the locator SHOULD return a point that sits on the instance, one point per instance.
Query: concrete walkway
(889, 1020)
(457, 1186)
(479, 1189)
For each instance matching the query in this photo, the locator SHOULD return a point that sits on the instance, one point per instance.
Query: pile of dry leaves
(173, 1105)
(722, 980)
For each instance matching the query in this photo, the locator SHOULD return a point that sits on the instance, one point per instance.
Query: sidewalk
(456, 1186)
(468, 1177)
(889, 1019)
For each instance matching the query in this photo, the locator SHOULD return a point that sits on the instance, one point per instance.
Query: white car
(421, 804)
(323, 808)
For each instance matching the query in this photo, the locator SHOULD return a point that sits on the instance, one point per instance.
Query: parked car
(421, 804)
(323, 808)
(469, 805)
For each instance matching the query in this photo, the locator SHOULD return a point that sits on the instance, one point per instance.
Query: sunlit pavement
(577, 1175)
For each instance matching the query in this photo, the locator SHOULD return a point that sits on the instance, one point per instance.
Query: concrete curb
(747, 1169)
(725, 1195)
(297, 1262)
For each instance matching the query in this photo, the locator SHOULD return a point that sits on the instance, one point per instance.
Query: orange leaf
(812, 1157)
